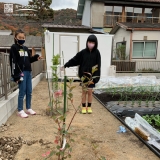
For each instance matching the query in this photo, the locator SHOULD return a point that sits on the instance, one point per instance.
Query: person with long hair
(20, 63)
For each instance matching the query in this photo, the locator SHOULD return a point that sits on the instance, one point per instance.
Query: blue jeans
(25, 88)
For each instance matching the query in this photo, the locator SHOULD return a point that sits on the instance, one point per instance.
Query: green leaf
(58, 147)
(103, 158)
(61, 118)
(72, 88)
(82, 78)
(51, 154)
(67, 145)
(70, 95)
(94, 68)
(157, 123)
(60, 112)
(95, 77)
(70, 150)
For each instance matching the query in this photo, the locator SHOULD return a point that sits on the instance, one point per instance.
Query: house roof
(48, 25)
(136, 27)
(31, 41)
(134, 3)
(5, 32)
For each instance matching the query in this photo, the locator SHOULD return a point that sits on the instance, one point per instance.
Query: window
(120, 52)
(129, 14)
(109, 17)
(144, 49)
(117, 10)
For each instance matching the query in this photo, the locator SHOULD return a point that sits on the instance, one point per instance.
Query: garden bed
(95, 135)
(126, 105)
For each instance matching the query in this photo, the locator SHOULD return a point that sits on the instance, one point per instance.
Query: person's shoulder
(25, 47)
(84, 50)
(13, 46)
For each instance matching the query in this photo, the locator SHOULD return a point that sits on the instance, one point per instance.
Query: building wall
(141, 64)
(55, 45)
(151, 35)
(137, 36)
(97, 14)
(5, 32)
(86, 19)
(120, 36)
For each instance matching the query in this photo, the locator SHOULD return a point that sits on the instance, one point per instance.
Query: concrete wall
(8, 107)
(86, 19)
(97, 14)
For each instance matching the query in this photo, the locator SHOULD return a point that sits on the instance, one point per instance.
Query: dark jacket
(86, 60)
(18, 62)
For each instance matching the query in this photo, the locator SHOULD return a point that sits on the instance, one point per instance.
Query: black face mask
(21, 42)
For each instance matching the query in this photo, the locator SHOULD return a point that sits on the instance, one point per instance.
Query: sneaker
(22, 114)
(84, 110)
(89, 110)
(30, 111)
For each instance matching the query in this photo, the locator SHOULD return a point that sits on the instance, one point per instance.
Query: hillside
(33, 27)
(66, 17)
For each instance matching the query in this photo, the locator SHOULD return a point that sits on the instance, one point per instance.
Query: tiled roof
(139, 25)
(136, 26)
(31, 41)
(64, 26)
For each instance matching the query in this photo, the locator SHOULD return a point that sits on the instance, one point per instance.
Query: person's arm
(75, 61)
(15, 73)
(32, 58)
(98, 72)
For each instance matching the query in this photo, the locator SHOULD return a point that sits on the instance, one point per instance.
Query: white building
(141, 43)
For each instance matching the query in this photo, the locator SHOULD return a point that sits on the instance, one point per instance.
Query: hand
(40, 57)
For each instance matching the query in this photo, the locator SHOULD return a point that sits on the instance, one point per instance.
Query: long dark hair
(16, 33)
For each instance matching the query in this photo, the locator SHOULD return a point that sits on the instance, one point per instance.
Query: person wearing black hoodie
(86, 59)
(20, 64)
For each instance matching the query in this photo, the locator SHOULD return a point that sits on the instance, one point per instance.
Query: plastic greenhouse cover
(147, 83)
(154, 134)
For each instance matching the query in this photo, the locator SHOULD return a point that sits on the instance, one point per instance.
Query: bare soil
(95, 134)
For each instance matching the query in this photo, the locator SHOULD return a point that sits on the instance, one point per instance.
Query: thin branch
(72, 118)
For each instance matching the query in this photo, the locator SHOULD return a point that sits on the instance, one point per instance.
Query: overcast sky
(56, 4)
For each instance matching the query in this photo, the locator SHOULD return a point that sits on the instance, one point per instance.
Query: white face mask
(91, 45)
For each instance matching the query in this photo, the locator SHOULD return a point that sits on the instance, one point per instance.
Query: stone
(41, 141)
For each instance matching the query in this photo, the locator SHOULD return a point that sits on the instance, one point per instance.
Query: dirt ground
(96, 134)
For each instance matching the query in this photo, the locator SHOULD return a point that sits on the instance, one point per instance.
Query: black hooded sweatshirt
(86, 59)
(19, 62)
